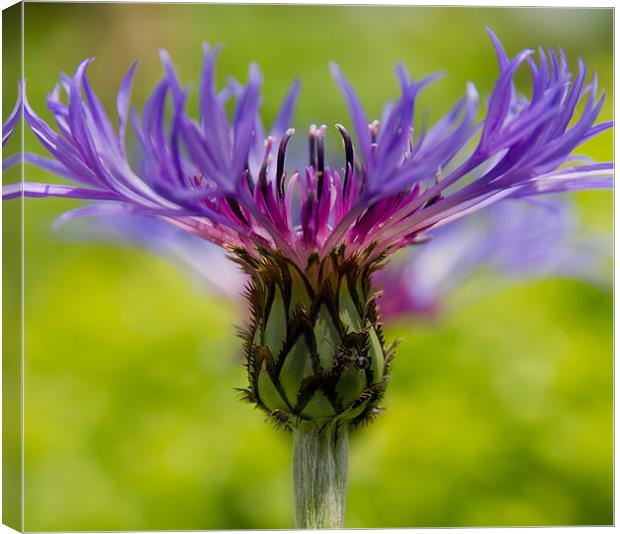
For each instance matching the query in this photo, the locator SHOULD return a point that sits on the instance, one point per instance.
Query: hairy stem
(320, 461)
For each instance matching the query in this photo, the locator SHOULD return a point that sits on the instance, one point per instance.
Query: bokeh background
(498, 413)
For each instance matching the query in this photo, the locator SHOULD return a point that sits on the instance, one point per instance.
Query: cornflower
(311, 240)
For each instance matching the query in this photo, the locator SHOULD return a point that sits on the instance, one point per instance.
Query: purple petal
(11, 121)
(212, 112)
(39, 190)
(282, 121)
(11, 161)
(358, 116)
(122, 102)
(245, 118)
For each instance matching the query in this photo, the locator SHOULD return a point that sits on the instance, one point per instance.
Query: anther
(432, 201)
(248, 179)
(348, 152)
(248, 176)
(320, 153)
(312, 134)
(280, 162)
(234, 206)
(320, 150)
(262, 175)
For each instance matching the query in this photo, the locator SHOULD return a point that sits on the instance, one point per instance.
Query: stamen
(234, 205)
(433, 200)
(250, 182)
(312, 145)
(320, 168)
(262, 175)
(306, 219)
(438, 196)
(280, 163)
(348, 152)
(248, 175)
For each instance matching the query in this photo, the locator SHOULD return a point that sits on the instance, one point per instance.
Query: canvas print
(295, 266)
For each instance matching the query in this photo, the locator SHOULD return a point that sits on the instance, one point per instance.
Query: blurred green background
(500, 413)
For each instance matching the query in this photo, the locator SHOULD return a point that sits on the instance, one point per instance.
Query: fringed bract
(314, 347)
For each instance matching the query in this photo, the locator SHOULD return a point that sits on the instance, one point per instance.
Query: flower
(507, 243)
(311, 240)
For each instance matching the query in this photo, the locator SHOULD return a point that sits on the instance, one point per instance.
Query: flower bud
(314, 349)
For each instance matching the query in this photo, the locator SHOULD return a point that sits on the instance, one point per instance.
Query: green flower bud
(314, 349)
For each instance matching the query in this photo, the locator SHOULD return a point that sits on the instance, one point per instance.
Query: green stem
(320, 460)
